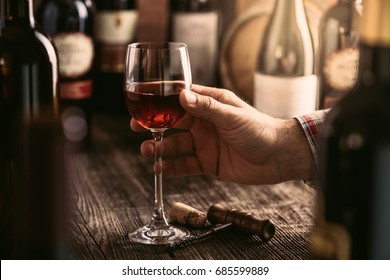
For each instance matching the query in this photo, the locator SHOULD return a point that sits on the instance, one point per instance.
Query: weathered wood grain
(112, 193)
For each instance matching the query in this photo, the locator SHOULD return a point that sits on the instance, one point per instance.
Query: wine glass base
(158, 236)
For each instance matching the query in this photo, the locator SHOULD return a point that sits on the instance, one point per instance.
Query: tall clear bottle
(338, 59)
(31, 151)
(285, 84)
(70, 23)
(195, 23)
(355, 157)
(115, 27)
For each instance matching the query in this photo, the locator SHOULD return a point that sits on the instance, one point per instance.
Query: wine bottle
(28, 74)
(338, 51)
(194, 22)
(70, 25)
(115, 28)
(355, 153)
(284, 82)
(31, 186)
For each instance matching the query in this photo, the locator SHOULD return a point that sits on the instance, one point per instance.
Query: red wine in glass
(155, 105)
(155, 74)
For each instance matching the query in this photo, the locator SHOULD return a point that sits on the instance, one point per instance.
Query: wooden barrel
(242, 39)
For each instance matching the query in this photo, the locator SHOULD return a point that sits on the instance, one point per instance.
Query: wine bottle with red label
(115, 27)
(69, 23)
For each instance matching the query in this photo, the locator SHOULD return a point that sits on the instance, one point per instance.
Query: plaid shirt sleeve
(311, 126)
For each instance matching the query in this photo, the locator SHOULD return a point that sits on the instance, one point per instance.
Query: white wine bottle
(285, 84)
(355, 153)
(195, 23)
(338, 59)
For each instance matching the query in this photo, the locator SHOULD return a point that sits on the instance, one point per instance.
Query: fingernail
(190, 97)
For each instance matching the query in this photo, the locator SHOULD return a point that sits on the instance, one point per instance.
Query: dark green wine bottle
(355, 156)
(32, 156)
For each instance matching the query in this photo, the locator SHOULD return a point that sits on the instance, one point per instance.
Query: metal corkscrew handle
(245, 222)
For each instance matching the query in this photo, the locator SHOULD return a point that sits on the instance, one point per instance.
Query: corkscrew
(222, 218)
(192, 238)
(243, 221)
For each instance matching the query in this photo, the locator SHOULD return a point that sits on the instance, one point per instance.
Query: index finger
(221, 95)
(135, 126)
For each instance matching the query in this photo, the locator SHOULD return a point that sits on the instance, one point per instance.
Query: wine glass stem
(159, 218)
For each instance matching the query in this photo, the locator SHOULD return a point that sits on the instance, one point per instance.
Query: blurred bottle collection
(310, 74)
(57, 72)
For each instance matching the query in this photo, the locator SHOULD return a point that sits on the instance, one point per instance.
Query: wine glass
(155, 74)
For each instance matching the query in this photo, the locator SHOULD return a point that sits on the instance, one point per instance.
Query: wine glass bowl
(155, 105)
(155, 74)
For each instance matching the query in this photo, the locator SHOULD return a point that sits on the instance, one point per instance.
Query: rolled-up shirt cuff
(311, 124)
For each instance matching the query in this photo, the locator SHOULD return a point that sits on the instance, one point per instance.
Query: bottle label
(75, 54)
(341, 69)
(113, 31)
(200, 32)
(76, 90)
(285, 97)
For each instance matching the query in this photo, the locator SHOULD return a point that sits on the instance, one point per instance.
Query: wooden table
(112, 194)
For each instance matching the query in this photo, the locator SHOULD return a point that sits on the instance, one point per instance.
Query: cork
(186, 215)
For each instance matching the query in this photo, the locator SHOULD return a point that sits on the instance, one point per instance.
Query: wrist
(295, 159)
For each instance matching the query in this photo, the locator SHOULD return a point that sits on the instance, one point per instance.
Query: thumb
(208, 108)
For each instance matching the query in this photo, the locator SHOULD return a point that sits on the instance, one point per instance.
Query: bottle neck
(375, 42)
(375, 25)
(19, 12)
(288, 8)
(292, 12)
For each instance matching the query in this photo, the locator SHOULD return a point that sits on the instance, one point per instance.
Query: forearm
(295, 159)
(298, 142)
